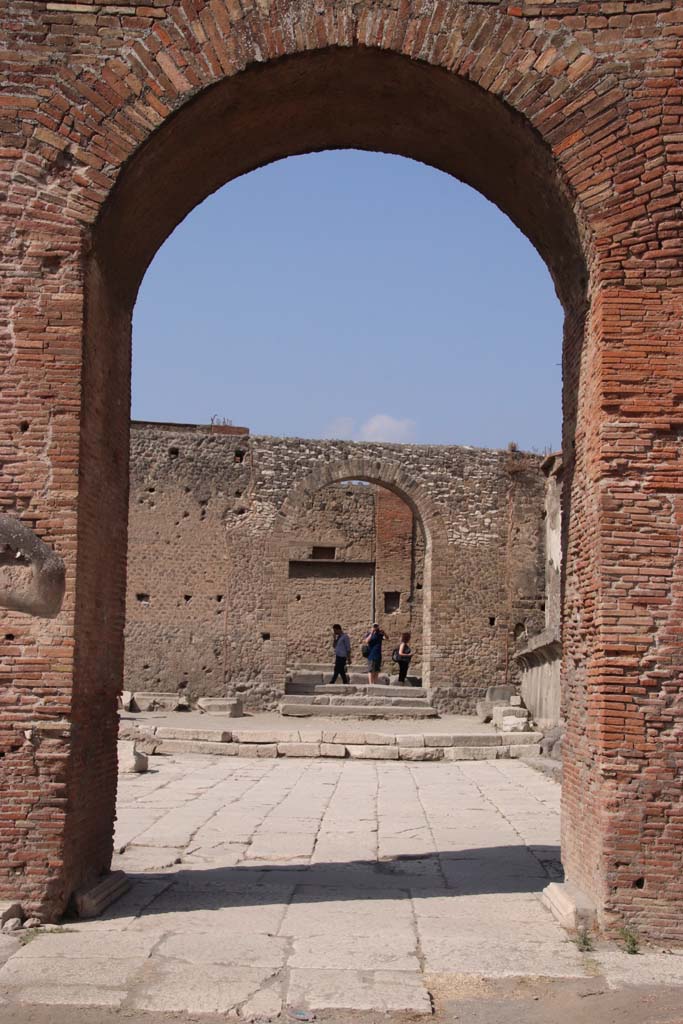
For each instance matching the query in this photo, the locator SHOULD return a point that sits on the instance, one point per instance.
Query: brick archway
(116, 124)
(388, 474)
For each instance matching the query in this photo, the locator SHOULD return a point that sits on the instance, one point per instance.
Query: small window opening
(187, 598)
(639, 883)
(392, 601)
(239, 455)
(298, 597)
(9, 636)
(142, 598)
(219, 598)
(173, 452)
(23, 426)
(323, 552)
(265, 636)
(492, 620)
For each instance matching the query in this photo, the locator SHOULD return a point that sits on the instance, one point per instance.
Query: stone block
(126, 700)
(91, 902)
(512, 724)
(505, 711)
(10, 910)
(257, 750)
(471, 753)
(169, 732)
(437, 739)
(195, 747)
(411, 739)
(420, 753)
(570, 906)
(129, 758)
(521, 750)
(343, 736)
(332, 750)
(298, 749)
(303, 678)
(515, 701)
(379, 738)
(266, 736)
(373, 753)
(231, 707)
(149, 701)
(501, 692)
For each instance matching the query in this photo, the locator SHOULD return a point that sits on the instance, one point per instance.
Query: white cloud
(383, 427)
(340, 429)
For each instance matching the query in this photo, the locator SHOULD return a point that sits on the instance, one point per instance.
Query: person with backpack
(402, 656)
(372, 650)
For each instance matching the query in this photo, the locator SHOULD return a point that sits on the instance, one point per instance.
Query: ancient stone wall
(211, 557)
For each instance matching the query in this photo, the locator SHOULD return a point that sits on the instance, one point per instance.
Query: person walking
(404, 656)
(342, 653)
(373, 643)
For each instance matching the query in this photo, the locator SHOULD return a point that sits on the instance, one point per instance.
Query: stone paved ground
(372, 886)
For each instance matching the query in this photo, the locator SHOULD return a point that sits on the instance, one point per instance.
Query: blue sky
(354, 295)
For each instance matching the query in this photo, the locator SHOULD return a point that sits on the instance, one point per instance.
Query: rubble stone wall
(211, 557)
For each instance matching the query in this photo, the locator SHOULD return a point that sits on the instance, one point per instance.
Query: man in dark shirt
(342, 651)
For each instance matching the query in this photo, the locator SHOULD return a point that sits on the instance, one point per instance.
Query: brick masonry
(117, 118)
(223, 593)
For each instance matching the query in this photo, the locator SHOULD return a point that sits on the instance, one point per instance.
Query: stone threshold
(337, 743)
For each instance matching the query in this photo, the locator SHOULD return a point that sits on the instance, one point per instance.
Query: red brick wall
(117, 119)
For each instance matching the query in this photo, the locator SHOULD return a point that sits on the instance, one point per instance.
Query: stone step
(231, 707)
(307, 709)
(362, 689)
(325, 700)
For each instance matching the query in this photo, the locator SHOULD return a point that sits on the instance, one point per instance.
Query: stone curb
(360, 750)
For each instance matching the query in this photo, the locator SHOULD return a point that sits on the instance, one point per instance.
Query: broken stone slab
(91, 902)
(420, 753)
(265, 736)
(298, 749)
(170, 732)
(130, 759)
(485, 709)
(149, 701)
(373, 753)
(230, 707)
(356, 711)
(512, 724)
(505, 711)
(126, 700)
(344, 736)
(570, 906)
(9, 910)
(12, 924)
(195, 747)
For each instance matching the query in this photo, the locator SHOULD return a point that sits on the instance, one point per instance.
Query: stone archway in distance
(115, 127)
(393, 477)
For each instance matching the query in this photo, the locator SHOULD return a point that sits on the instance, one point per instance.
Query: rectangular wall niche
(323, 553)
(392, 601)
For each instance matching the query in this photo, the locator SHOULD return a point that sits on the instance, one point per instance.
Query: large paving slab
(321, 885)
